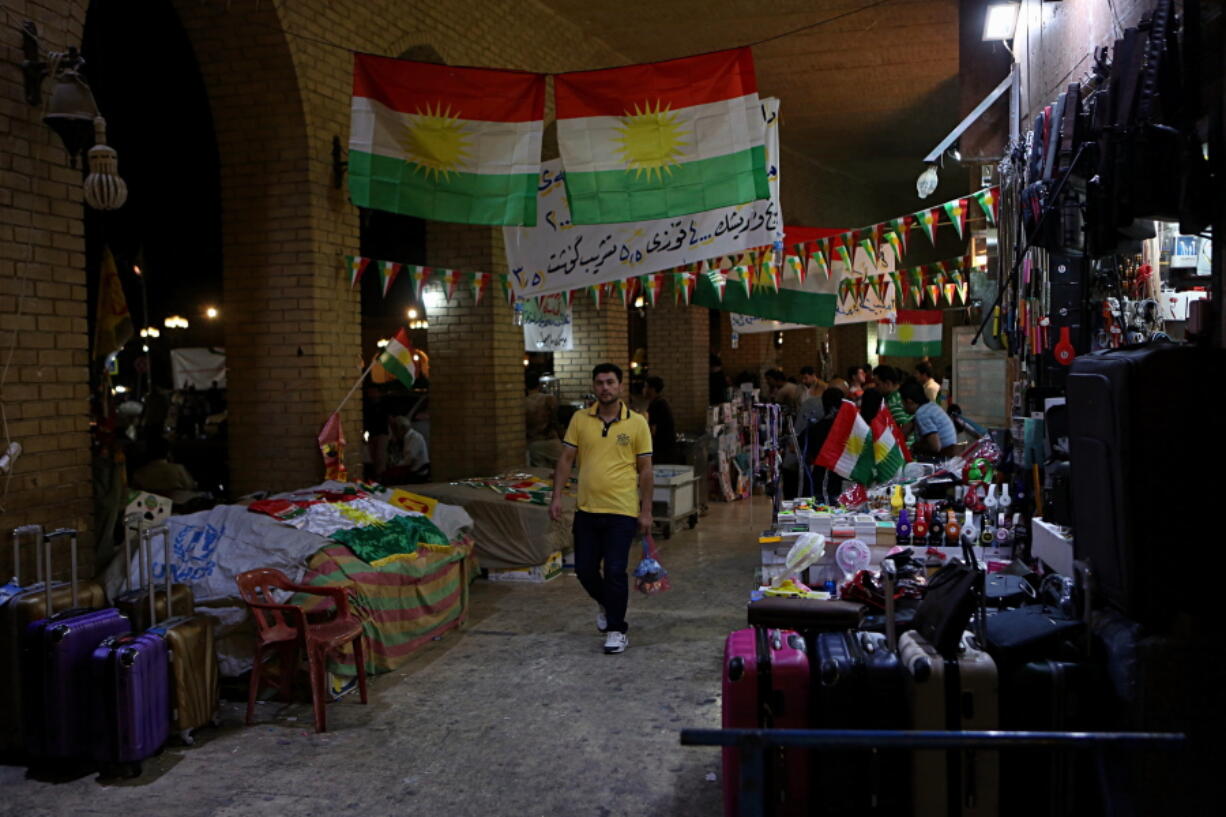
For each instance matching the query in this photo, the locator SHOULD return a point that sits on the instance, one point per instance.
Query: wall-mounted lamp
(71, 109)
(1000, 21)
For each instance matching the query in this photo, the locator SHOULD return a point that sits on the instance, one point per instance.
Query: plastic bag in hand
(650, 576)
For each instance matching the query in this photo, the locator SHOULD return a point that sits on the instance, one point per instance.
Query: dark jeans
(605, 537)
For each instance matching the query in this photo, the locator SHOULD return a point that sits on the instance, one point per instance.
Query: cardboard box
(537, 574)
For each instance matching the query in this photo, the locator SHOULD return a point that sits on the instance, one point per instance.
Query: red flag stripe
(836, 440)
(478, 94)
(673, 84)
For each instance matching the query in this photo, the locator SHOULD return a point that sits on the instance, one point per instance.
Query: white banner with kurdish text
(748, 324)
(547, 325)
(557, 256)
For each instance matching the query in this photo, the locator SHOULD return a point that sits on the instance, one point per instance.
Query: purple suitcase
(132, 682)
(132, 688)
(56, 671)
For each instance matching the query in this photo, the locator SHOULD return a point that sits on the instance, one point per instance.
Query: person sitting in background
(855, 382)
(932, 386)
(888, 380)
(660, 420)
(812, 383)
(717, 383)
(827, 485)
(164, 477)
(408, 456)
(934, 431)
(540, 423)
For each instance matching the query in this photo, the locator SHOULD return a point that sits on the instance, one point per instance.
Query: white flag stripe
(920, 332)
(493, 148)
(593, 143)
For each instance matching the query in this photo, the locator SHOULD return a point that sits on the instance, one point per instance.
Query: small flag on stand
(388, 270)
(331, 440)
(397, 358)
(355, 265)
(848, 450)
(956, 210)
(927, 220)
(890, 452)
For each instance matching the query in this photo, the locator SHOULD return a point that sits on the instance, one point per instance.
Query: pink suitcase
(766, 685)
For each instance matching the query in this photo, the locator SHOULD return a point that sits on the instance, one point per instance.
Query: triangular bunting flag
(892, 239)
(355, 265)
(844, 256)
(988, 200)
(480, 282)
(504, 281)
(956, 210)
(683, 287)
(797, 266)
(652, 283)
(742, 273)
(622, 288)
(452, 277)
(569, 297)
(418, 276)
(719, 281)
(846, 288)
(927, 220)
(902, 226)
(878, 231)
(597, 291)
(388, 270)
(870, 249)
(896, 280)
(819, 259)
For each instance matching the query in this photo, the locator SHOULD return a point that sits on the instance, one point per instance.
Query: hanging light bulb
(104, 188)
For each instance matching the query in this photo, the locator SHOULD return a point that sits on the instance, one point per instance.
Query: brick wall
(601, 335)
(678, 344)
(294, 338)
(44, 385)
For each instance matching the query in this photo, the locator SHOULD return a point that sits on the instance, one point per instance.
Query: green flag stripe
(391, 184)
(614, 196)
(790, 305)
(395, 369)
(865, 467)
(915, 348)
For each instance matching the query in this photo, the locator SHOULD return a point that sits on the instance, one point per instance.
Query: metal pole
(905, 739)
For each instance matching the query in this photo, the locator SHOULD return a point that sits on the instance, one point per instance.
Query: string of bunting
(419, 275)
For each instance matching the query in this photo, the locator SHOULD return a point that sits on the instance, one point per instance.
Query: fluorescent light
(1000, 22)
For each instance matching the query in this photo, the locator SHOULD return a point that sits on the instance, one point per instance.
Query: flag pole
(357, 383)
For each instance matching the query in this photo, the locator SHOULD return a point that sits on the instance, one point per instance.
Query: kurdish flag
(397, 358)
(848, 450)
(889, 446)
(444, 143)
(662, 139)
(916, 333)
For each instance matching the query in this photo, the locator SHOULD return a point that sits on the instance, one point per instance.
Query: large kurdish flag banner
(443, 143)
(917, 333)
(662, 139)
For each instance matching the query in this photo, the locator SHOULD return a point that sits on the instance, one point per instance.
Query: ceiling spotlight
(926, 184)
(211, 312)
(1000, 22)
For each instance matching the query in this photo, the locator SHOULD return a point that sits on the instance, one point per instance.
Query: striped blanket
(403, 603)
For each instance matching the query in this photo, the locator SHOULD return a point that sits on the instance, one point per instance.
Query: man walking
(613, 446)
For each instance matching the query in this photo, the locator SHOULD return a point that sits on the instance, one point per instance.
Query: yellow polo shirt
(608, 456)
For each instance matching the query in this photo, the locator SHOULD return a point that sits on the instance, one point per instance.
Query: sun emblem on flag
(906, 332)
(436, 141)
(651, 140)
(855, 446)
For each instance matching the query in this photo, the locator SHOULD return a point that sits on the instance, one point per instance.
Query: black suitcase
(1139, 451)
(858, 683)
(1059, 696)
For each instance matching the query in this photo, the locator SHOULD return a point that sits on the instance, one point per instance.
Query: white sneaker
(602, 621)
(615, 642)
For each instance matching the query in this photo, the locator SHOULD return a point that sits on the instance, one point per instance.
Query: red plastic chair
(286, 628)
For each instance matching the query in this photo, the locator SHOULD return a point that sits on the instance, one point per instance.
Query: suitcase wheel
(186, 737)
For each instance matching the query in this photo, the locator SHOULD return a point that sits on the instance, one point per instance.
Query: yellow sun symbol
(651, 139)
(906, 332)
(436, 141)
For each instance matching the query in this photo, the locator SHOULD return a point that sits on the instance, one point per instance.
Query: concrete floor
(519, 714)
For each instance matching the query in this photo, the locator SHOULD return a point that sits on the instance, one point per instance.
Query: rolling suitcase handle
(147, 546)
(36, 533)
(60, 533)
(888, 569)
